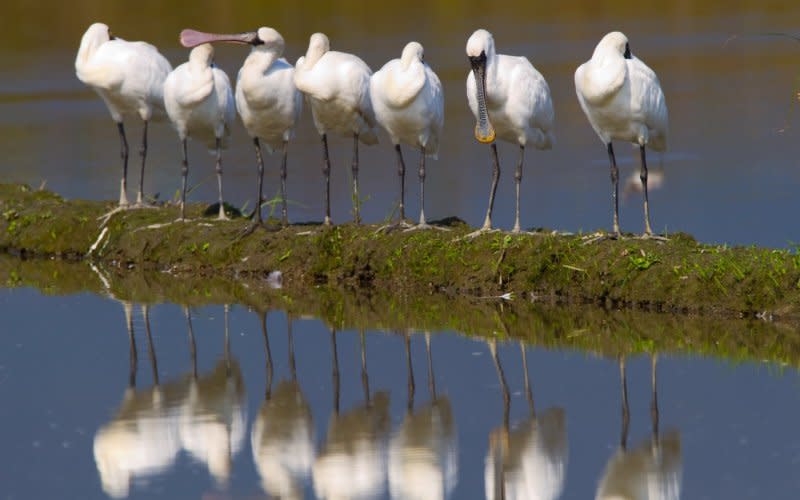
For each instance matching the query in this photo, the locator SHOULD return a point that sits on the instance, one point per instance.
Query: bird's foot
(144, 204)
(600, 236)
(651, 236)
(257, 224)
(394, 226)
(425, 226)
(475, 234)
(107, 216)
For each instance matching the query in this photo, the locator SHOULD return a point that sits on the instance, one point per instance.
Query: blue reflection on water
(389, 415)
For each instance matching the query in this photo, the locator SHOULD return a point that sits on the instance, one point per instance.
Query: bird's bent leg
(326, 171)
(401, 173)
(615, 190)
(143, 156)
(517, 182)
(184, 175)
(123, 188)
(222, 215)
(356, 200)
(487, 223)
(284, 209)
(260, 181)
(643, 176)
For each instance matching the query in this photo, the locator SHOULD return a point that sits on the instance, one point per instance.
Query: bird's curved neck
(261, 59)
(89, 45)
(313, 54)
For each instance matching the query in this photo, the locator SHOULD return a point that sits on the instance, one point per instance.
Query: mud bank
(680, 275)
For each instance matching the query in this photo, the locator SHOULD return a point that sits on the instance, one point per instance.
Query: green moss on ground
(680, 275)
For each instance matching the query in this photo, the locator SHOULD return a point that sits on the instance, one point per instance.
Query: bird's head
(411, 52)
(480, 47)
(616, 43)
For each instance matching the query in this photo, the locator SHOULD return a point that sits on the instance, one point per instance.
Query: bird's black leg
(123, 189)
(643, 176)
(259, 181)
(517, 182)
(626, 414)
(326, 171)
(422, 186)
(356, 199)
(487, 223)
(184, 175)
(143, 156)
(284, 203)
(615, 191)
(222, 215)
(401, 173)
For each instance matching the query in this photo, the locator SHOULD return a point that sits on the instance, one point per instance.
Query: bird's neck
(261, 60)
(89, 46)
(313, 54)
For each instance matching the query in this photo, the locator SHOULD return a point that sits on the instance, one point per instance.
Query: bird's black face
(256, 40)
(478, 62)
(627, 54)
(110, 36)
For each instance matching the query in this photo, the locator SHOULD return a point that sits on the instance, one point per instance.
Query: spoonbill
(200, 105)
(337, 86)
(266, 98)
(623, 101)
(510, 100)
(409, 104)
(129, 77)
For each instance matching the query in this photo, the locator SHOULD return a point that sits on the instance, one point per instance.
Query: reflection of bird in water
(633, 183)
(530, 460)
(213, 420)
(423, 456)
(650, 471)
(142, 439)
(352, 463)
(283, 433)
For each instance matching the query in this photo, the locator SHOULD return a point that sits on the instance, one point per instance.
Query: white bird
(623, 101)
(129, 77)
(408, 102)
(200, 105)
(510, 100)
(266, 98)
(337, 86)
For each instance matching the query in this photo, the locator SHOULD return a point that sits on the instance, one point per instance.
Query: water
(729, 176)
(78, 423)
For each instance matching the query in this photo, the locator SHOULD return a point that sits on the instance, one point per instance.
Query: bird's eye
(627, 54)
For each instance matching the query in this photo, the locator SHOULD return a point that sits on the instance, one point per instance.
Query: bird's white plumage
(517, 96)
(408, 100)
(128, 76)
(266, 97)
(199, 100)
(337, 87)
(622, 98)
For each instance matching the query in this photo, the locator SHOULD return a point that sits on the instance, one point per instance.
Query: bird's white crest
(480, 41)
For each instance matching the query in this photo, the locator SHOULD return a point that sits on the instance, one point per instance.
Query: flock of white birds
(510, 99)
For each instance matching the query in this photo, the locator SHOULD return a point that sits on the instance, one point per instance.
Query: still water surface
(95, 406)
(730, 175)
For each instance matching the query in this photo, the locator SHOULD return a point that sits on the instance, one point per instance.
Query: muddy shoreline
(677, 276)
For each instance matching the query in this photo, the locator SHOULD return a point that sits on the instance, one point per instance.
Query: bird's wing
(192, 87)
(532, 95)
(437, 96)
(647, 94)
